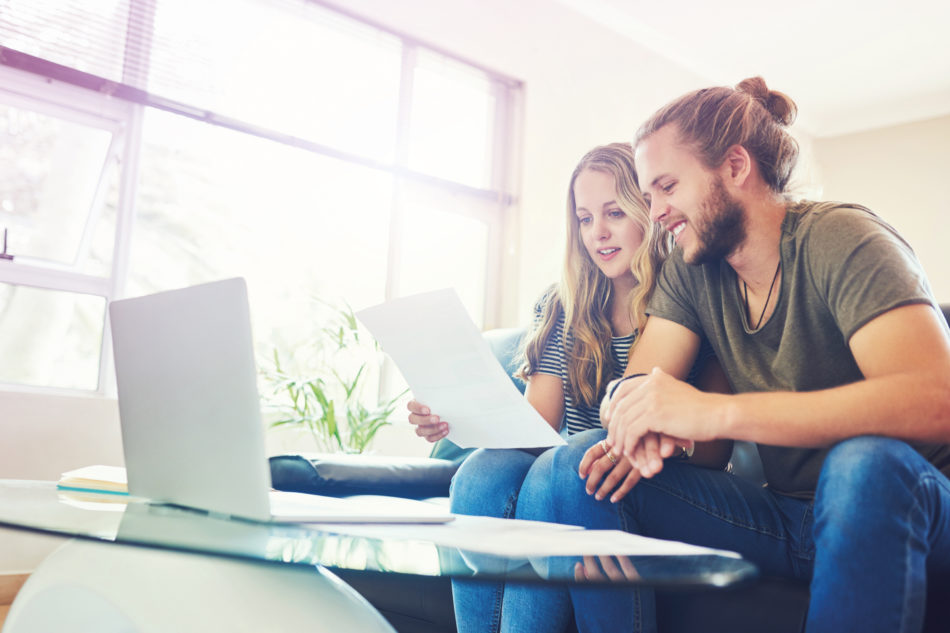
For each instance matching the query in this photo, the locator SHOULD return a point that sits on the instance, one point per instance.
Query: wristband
(613, 387)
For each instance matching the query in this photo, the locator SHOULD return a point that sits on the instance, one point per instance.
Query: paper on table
(451, 369)
(529, 539)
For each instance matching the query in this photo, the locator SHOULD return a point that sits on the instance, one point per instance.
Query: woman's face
(609, 235)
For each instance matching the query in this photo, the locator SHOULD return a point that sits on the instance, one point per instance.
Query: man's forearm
(909, 406)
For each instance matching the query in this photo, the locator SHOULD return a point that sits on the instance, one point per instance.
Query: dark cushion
(343, 475)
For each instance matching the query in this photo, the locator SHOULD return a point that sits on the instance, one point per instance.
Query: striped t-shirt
(554, 362)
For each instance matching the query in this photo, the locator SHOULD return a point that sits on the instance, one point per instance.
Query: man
(829, 334)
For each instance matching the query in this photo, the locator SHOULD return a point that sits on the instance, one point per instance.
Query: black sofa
(416, 604)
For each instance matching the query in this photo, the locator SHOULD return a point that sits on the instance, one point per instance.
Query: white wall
(43, 436)
(900, 173)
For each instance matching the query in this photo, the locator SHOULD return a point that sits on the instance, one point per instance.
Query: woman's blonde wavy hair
(584, 293)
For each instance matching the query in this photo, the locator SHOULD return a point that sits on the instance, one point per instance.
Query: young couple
(822, 321)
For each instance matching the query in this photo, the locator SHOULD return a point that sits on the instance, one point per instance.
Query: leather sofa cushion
(344, 475)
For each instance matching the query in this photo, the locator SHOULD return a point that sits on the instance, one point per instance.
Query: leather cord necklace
(745, 296)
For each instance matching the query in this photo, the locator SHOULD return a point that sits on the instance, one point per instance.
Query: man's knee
(866, 460)
(862, 474)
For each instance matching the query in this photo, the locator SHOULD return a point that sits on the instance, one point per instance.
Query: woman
(583, 330)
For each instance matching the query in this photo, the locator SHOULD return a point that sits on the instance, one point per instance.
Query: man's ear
(737, 166)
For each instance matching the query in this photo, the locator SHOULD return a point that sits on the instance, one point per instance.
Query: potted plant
(327, 393)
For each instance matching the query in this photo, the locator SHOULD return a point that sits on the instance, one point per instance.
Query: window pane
(51, 174)
(50, 338)
(453, 112)
(213, 203)
(440, 250)
(293, 67)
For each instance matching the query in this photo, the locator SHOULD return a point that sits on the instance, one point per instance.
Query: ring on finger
(610, 456)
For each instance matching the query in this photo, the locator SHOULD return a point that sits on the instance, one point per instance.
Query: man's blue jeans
(880, 521)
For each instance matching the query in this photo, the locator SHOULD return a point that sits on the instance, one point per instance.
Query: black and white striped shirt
(554, 362)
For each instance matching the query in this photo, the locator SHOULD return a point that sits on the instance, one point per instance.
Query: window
(215, 203)
(446, 93)
(60, 155)
(151, 145)
(290, 67)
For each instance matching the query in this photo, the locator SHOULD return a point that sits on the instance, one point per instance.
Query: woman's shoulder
(549, 306)
(548, 297)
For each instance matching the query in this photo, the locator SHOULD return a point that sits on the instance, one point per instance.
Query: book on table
(97, 478)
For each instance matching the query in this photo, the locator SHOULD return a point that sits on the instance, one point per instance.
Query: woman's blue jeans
(488, 483)
(879, 522)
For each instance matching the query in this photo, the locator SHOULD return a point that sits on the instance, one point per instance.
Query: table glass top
(38, 506)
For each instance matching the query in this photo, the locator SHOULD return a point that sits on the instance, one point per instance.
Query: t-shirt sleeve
(862, 267)
(670, 299)
(551, 358)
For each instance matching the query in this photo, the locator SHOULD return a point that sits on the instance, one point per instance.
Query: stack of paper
(107, 479)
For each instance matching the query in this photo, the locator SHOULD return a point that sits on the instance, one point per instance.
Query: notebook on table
(189, 410)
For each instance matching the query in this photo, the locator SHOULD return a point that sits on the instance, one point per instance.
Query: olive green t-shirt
(842, 266)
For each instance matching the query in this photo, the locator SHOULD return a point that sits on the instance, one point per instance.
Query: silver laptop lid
(188, 403)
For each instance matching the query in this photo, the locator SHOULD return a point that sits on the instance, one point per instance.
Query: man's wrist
(612, 387)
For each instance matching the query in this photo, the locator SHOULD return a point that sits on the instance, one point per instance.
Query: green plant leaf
(329, 397)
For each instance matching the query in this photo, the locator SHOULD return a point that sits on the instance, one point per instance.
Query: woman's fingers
(428, 426)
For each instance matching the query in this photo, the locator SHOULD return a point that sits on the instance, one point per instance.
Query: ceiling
(850, 66)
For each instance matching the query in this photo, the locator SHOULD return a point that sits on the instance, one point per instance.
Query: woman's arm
(545, 393)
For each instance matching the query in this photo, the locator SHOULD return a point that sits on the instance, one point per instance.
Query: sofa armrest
(344, 475)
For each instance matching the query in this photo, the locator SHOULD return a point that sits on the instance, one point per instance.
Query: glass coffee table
(155, 567)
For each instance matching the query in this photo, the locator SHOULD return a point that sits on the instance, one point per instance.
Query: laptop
(190, 416)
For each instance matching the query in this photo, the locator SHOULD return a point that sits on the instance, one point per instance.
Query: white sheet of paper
(529, 539)
(451, 369)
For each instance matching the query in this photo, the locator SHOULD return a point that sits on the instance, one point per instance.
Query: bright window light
(175, 142)
(48, 194)
(50, 338)
(292, 67)
(445, 250)
(215, 203)
(453, 115)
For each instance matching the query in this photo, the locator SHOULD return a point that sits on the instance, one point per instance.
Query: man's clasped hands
(648, 417)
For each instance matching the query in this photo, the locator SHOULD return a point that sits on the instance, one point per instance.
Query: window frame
(123, 120)
(121, 106)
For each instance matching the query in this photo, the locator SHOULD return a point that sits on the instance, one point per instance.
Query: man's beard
(721, 226)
